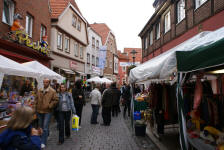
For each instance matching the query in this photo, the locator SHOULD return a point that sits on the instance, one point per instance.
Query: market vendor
(26, 88)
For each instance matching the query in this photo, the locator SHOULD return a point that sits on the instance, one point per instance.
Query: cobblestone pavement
(117, 136)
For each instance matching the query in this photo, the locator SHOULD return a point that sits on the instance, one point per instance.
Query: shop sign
(124, 64)
(23, 38)
(73, 65)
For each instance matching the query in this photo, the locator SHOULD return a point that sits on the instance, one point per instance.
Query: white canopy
(105, 80)
(44, 71)
(10, 67)
(95, 79)
(162, 66)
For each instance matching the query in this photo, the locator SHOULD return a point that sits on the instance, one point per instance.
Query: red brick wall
(202, 12)
(138, 56)
(208, 16)
(39, 9)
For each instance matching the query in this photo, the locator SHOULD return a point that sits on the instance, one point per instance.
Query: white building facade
(92, 54)
(68, 44)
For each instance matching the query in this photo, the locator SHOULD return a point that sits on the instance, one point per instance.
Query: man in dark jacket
(116, 94)
(107, 103)
(126, 96)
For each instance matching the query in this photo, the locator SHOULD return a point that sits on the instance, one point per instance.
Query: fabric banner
(102, 56)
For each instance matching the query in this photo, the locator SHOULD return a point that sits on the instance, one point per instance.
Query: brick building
(36, 23)
(122, 69)
(126, 60)
(109, 40)
(175, 21)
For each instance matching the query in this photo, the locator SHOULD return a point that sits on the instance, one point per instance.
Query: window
(93, 60)
(151, 38)
(198, 3)
(81, 52)
(88, 58)
(8, 12)
(97, 61)
(76, 49)
(167, 22)
(42, 31)
(29, 25)
(79, 25)
(180, 10)
(93, 42)
(146, 42)
(97, 44)
(157, 31)
(74, 21)
(67, 46)
(124, 69)
(59, 41)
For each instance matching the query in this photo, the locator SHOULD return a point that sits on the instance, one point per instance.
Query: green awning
(201, 58)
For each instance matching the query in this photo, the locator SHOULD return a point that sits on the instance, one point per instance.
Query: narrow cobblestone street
(97, 137)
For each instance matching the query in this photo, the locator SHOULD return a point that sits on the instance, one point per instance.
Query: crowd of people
(56, 100)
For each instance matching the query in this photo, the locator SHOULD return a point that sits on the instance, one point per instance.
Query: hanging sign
(23, 38)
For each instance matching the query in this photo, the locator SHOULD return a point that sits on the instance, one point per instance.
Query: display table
(200, 144)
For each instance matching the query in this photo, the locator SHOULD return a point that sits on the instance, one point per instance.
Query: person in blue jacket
(19, 134)
(65, 108)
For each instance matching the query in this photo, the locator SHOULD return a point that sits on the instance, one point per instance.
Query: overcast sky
(126, 18)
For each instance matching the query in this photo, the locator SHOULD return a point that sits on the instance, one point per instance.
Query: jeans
(127, 106)
(94, 113)
(44, 120)
(64, 124)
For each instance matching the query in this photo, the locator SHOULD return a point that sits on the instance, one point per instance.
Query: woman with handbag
(65, 107)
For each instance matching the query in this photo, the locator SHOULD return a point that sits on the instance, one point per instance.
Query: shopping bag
(75, 123)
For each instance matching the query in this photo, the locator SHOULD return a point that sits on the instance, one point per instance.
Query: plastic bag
(75, 123)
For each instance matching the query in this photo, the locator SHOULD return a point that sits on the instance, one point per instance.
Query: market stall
(95, 79)
(44, 71)
(166, 68)
(9, 97)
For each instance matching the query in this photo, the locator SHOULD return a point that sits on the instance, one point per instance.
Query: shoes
(68, 137)
(94, 122)
(43, 146)
(60, 143)
(102, 124)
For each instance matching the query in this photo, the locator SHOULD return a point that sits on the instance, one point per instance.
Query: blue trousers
(95, 113)
(44, 120)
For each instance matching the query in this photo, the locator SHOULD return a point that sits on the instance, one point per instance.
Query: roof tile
(58, 6)
(102, 29)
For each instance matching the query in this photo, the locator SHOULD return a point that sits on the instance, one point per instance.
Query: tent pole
(182, 124)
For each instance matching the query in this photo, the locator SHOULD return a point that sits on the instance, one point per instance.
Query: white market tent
(95, 79)
(105, 80)
(164, 65)
(44, 71)
(10, 67)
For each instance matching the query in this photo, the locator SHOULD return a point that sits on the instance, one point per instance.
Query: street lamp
(133, 52)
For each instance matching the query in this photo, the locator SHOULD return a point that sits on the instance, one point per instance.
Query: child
(19, 134)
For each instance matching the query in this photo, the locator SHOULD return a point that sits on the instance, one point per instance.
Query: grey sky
(126, 18)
